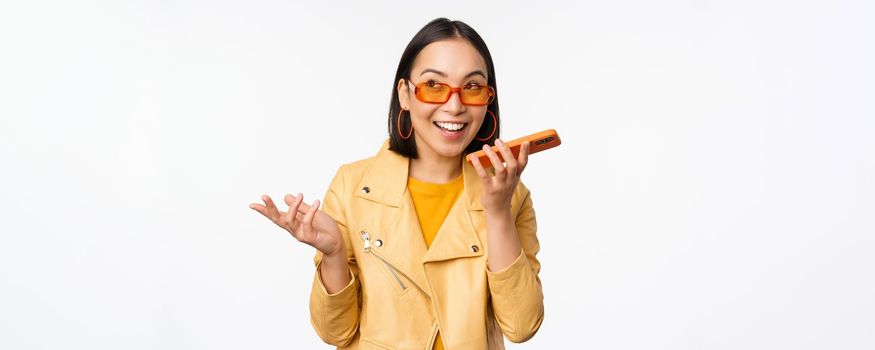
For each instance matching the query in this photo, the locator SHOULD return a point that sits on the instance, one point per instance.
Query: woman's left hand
(498, 189)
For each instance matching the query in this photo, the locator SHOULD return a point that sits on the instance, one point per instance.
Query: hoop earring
(494, 126)
(399, 126)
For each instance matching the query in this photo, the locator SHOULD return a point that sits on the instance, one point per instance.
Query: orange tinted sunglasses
(471, 94)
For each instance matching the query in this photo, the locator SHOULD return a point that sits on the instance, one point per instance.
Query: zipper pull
(367, 241)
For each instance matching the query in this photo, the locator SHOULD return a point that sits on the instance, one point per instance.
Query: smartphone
(539, 141)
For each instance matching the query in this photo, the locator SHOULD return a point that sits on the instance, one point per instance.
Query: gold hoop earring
(399, 126)
(494, 126)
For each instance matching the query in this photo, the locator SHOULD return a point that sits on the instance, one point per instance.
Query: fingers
(523, 159)
(496, 163)
(272, 211)
(509, 159)
(304, 208)
(307, 221)
(259, 208)
(268, 210)
(291, 216)
(475, 161)
(298, 220)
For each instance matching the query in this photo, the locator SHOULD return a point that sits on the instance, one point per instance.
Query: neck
(433, 167)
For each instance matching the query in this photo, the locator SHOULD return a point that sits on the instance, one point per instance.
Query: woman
(416, 247)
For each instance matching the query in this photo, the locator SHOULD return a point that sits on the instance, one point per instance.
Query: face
(457, 63)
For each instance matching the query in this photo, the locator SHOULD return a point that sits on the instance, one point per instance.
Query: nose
(454, 105)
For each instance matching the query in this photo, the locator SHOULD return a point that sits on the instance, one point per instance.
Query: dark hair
(436, 30)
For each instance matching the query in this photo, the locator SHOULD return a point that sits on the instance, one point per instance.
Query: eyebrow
(476, 72)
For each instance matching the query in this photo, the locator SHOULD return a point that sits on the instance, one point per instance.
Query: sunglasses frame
(491, 92)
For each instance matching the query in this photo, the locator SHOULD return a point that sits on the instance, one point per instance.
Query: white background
(715, 188)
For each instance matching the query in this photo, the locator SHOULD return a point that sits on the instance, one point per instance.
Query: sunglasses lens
(477, 95)
(433, 92)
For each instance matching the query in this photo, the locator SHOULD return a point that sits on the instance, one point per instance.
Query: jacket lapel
(457, 236)
(385, 183)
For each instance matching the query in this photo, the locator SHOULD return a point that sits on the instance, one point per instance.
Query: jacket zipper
(392, 270)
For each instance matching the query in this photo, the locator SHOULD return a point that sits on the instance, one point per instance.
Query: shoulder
(350, 174)
(353, 172)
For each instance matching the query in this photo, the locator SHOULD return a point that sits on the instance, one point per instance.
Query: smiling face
(437, 126)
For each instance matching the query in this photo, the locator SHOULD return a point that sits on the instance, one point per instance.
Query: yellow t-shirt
(433, 202)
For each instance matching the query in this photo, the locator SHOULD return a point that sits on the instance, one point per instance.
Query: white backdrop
(714, 188)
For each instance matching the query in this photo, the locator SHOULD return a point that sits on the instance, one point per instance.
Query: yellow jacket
(401, 293)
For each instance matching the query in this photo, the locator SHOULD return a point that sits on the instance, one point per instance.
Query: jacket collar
(386, 180)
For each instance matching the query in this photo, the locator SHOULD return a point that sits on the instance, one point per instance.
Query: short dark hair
(436, 30)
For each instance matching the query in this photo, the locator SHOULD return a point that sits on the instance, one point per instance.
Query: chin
(451, 150)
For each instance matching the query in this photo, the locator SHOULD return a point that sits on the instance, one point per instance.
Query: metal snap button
(379, 243)
(474, 248)
(366, 189)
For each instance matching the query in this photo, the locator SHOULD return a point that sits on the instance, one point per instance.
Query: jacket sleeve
(335, 317)
(517, 297)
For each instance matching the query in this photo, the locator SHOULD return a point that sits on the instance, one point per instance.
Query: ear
(403, 94)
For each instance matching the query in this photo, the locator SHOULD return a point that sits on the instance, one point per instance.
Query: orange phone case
(540, 141)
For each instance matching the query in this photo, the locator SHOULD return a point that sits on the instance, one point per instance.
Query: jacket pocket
(366, 344)
(393, 273)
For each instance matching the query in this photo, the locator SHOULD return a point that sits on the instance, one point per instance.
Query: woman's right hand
(305, 222)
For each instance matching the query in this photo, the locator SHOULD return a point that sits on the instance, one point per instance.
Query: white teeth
(450, 126)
